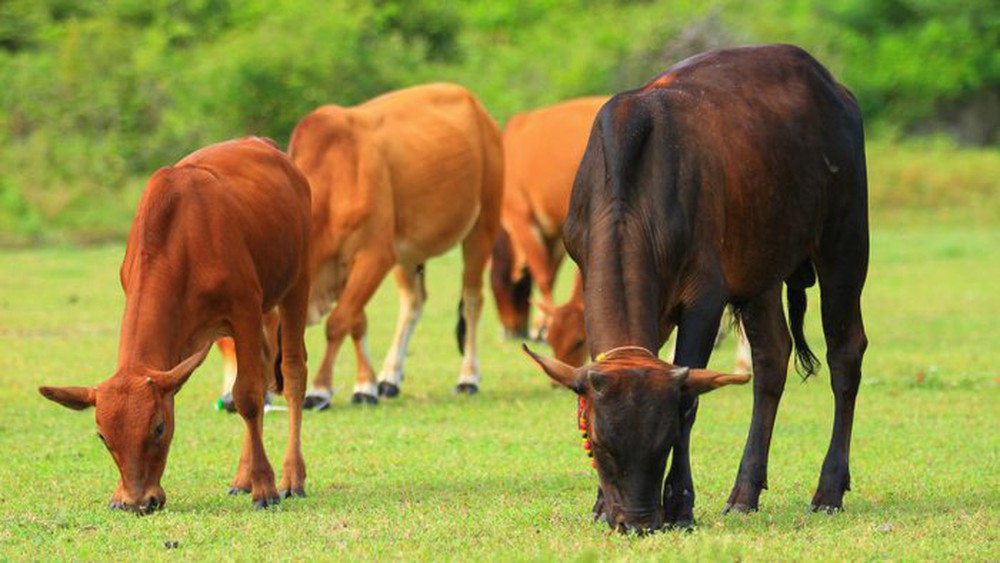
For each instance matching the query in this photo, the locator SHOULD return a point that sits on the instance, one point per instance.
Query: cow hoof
(364, 399)
(466, 389)
(295, 493)
(266, 502)
(388, 390)
(226, 403)
(317, 400)
(738, 507)
(829, 509)
(683, 525)
(238, 490)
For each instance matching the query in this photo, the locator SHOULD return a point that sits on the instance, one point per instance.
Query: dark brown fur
(736, 172)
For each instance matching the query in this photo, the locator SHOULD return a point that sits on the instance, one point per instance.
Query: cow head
(566, 332)
(511, 289)
(134, 410)
(631, 414)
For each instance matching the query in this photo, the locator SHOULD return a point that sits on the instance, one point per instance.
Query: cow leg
(695, 338)
(293, 311)
(366, 373)
(254, 473)
(744, 355)
(531, 242)
(841, 277)
(366, 274)
(764, 321)
(412, 293)
(475, 254)
(228, 351)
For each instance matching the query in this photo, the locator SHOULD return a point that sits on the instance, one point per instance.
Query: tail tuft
(806, 363)
(460, 327)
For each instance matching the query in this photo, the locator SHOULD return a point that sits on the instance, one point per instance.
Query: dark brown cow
(218, 240)
(731, 174)
(542, 150)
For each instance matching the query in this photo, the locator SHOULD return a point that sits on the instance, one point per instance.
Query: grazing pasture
(501, 475)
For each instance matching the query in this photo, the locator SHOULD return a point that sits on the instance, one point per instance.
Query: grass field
(501, 475)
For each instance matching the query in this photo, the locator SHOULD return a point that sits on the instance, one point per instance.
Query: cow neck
(621, 308)
(150, 335)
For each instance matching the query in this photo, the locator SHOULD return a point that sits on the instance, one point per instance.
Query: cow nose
(639, 526)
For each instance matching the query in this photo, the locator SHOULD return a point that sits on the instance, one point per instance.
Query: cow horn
(705, 380)
(559, 371)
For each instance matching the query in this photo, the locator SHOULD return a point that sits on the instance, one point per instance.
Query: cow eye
(101, 436)
(158, 431)
(578, 344)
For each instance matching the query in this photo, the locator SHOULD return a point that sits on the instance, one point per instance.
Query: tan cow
(218, 240)
(396, 181)
(542, 150)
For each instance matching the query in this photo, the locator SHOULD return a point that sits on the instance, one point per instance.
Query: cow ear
(561, 372)
(700, 381)
(598, 381)
(171, 381)
(76, 398)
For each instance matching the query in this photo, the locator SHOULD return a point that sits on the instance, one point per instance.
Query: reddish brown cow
(396, 181)
(734, 173)
(218, 240)
(542, 150)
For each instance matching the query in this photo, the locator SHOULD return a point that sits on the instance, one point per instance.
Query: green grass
(501, 475)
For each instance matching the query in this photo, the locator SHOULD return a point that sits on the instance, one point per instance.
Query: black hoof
(266, 502)
(364, 399)
(466, 389)
(682, 525)
(738, 507)
(388, 390)
(237, 491)
(316, 402)
(826, 508)
(297, 493)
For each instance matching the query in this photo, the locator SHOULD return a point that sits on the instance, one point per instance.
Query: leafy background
(96, 95)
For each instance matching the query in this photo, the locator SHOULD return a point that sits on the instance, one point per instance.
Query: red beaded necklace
(581, 416)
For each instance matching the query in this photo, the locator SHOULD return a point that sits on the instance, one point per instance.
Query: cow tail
(279, 378)
(460, 327)
(806, 363)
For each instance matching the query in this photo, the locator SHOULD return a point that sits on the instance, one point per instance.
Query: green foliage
(435, 476)
(98, 95)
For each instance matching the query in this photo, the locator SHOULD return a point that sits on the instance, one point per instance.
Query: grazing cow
(542, 150)
(732, 173)
(218, 240)
(395, 181)
(567, 335)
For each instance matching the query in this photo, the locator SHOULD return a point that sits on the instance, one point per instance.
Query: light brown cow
(218, 240)
(396, 181)
(542, 150)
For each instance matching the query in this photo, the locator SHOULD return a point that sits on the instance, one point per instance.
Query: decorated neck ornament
(581, 417)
